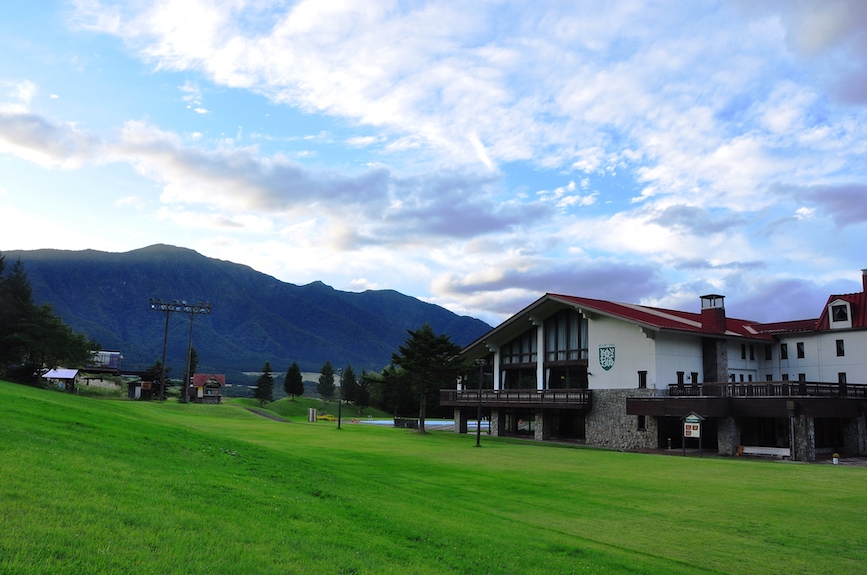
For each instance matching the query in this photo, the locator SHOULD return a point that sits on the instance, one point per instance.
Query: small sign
(692, 426)
(145, 385)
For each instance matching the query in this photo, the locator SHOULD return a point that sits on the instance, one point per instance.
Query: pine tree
(431, 362)
(348, 385)
(325, 387)
(293, 385)
(265, 385)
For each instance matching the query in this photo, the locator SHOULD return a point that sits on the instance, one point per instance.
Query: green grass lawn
(98, 486)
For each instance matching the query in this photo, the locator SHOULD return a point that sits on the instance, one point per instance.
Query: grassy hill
(98, 486)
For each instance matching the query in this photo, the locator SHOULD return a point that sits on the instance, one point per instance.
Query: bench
(767, 451)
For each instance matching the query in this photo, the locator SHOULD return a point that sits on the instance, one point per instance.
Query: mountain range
(255, 318)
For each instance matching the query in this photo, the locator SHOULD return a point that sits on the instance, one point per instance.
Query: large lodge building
(624, 376)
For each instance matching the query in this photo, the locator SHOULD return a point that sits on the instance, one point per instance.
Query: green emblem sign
(606, 356)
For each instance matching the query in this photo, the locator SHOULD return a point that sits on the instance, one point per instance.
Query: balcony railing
(769, 389)
(517, 397)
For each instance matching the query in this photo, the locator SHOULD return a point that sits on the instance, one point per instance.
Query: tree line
(423, 365)
(32, 337)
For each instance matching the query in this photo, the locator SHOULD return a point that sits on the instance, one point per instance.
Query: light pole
(192, 311)
(168, 308)
(481, 364)
(340, 398)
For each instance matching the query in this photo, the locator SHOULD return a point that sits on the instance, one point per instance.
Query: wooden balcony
(769, 389)
(525, 398)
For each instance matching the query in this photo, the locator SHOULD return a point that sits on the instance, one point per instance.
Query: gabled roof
(201, 379)
(857, 306)
(651, 318)
(663, 319)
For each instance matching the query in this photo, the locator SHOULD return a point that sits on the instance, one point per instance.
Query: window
(520, 350)
(784, 351)
(769, 377)
(750, 377)
(742, 377)
(841, 350)
(743, 351)
(839, 313)
(752, 352)
(785, 377)
(732, 377)
(680, 378)
(642, 380)
(841, 377)
(769, 353)
(694, 377)
(565, 337)
(802, 377)
(642, 422)
(800, 345)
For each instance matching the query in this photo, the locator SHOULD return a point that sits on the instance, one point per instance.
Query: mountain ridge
(255, 317)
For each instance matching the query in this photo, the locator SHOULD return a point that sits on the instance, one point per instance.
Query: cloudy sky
(472, 154)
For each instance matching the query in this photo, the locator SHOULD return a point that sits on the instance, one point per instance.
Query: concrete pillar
(804, 448)
(542, 431)
(460, 421)
(498, 423)
(728, 435)
(855, 436)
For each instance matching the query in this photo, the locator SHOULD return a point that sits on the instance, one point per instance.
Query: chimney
(713, 313)
(864, 280)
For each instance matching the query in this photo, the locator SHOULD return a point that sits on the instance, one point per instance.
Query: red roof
(200, 379)
(660, 318)
(857, 307)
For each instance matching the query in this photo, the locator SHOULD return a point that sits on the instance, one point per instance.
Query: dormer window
(840, 314)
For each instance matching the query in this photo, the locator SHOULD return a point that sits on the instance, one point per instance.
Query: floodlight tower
(192, 311)
(168, 308)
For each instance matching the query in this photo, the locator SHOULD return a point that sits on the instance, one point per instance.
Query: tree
(33, 337)
(431, 362)
(293, 385)
(348, 385)
(362, 392)
(155, 371)
(265, 385)
(325, 387)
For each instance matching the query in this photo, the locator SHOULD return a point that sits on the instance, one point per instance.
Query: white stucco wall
(633, 352)
(677, 352)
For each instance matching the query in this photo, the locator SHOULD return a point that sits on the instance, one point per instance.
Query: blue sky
(472, 154)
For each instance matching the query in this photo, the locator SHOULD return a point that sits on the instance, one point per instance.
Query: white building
(624, 376)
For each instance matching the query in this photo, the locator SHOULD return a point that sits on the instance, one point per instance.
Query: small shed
(207, 387)
(63, 378)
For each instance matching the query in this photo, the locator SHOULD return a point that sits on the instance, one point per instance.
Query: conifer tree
(293, 385)
(265, 385)
(430, 363)
(325, 387)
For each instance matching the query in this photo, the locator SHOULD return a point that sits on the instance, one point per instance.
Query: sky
(475, 155)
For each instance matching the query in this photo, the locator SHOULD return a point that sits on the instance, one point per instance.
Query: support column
(728, 435)
(855, 436)
(540, 354)
(498, 423)
(542, 432)
(804, 448)
(460, 421)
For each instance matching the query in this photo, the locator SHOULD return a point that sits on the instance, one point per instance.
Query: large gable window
(839, 313)
(566, 337)
(522, 349)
